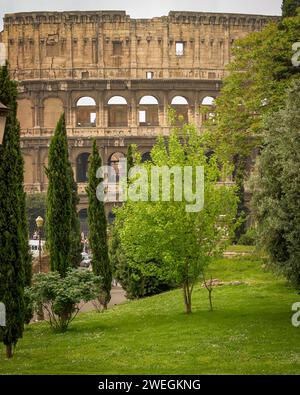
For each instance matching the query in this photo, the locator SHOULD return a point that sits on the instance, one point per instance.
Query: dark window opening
(82, 164)
(117, 48)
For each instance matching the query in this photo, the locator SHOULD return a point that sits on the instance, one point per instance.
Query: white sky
(144, 9)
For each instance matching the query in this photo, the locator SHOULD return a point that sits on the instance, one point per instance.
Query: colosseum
(114, 77)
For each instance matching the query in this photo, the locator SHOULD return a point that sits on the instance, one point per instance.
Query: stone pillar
(165, 62)
(100, 112)
(133, 52)
(165, 109)
(133, 118)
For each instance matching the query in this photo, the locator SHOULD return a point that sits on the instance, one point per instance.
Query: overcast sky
(142, 8)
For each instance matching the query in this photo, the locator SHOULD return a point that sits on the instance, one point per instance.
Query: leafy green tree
(289, 7)
(277, 188)
(59, 201)
(15, 264)
(98, 229)
(160, 238)
(255, 88)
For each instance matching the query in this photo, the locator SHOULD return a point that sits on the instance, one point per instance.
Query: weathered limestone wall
(109, 44)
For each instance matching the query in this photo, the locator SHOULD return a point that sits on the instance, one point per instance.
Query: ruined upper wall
(110, 45)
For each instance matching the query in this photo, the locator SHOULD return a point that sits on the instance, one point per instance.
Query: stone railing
(91, 73)
(141, 131)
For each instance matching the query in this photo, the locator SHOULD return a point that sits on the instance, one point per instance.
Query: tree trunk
(187, 298)
(40, 314)
(9, 351)
(210, 299)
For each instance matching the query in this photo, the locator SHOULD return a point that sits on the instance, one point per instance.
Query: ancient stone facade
(114, 77)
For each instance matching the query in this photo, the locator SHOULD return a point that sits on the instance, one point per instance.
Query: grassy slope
(249, 332)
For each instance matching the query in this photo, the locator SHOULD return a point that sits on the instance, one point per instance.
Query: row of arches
(86, 111)
(82, 163)
(147, 99)
(148, 110)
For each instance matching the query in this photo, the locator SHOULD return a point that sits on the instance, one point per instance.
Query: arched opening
(86, 114)
(83, 219)
(114, 162)
(148, 111)
(53, 108)
(117, 112)
(82, 165)
(25, 113)
(181, 106)
(146, 157)
(208, 103)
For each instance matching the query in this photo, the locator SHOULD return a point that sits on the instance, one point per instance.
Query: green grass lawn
(249, 332)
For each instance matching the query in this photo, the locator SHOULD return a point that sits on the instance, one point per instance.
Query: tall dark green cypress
(289, 7)
(98, 229)
(129, 157)
(76, 247)
(59, 201)
(14, 252)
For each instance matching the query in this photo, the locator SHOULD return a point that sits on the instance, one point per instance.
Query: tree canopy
(15, 261)
(258, 76)
(98, 229)
(161, 237)
(277, 188)
(59, 201)
(289, 7)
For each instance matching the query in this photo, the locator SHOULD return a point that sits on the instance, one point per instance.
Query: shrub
(249, 238)
(136, 283)
(60, 297)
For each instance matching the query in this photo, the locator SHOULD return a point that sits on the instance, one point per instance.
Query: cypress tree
(13, 228)
(277, 193)
(76, 248)
(289, 7)
(129, 157)
(98, 229)
(59, 201)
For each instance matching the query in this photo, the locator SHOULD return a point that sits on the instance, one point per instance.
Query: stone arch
(53, 108)
(208, 101)
(117, 111)
(117, 100)
(208, 104)
(148, 111)
(86, 112)
(114, 162)
(82, 164)
(179, 101)
(181, 105)
(25, 113)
